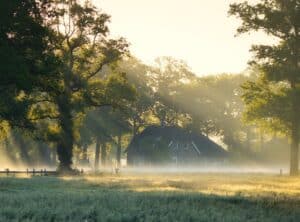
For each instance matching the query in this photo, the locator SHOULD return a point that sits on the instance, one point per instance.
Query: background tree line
(71, 93)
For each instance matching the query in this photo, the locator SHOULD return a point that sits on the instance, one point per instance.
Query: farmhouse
(172, 145)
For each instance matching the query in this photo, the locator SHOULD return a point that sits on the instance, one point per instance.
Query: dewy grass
(151, 197)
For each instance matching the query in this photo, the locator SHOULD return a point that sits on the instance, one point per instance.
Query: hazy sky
(197, 31)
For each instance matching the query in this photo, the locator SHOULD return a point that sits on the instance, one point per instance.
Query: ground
(151, 197)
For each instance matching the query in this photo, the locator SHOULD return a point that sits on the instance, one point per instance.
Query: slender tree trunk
(103, 155)
(54, 156)
(262, 140)
(294, 154)
(294, 158)
(248, 140)
(294, 165)
(22, 147)
(84, 152)
(45, 153)
(119, 148)
(134, 128)
(97, 154)
(8, 151)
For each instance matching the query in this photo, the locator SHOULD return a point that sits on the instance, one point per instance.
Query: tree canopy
(279, 63)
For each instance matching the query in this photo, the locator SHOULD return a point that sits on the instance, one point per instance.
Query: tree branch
(43, 117)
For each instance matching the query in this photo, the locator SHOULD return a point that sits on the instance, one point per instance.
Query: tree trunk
(103, 155)
(119, 147)
(22, 147)
(53, 156)
(294, 155)
(8, 151)
(84, 152)
(248, 139)
(45, 153)
(66, 140)
(134, 128)
(97, 154)
(261, 140)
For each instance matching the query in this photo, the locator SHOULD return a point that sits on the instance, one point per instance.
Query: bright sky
(196, 31)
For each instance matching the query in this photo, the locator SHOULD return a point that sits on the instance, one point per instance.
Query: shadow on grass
(81, 199)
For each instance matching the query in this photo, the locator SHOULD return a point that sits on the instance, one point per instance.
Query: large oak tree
(79, 38)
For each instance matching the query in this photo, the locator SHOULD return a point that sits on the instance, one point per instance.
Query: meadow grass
(151, 197)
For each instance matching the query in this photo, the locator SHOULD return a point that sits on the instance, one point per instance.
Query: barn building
(158, 145)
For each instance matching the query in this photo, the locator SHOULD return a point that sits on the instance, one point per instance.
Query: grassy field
(151, 197)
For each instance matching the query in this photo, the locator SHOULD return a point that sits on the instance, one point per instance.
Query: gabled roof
(172, 134)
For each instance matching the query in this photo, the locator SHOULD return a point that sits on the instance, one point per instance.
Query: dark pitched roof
(169, 134)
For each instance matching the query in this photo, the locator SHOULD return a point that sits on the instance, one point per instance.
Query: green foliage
(140, 110)
(267, 105)
(63, 78)
(25, 61)
(79, 39)
(278, 63)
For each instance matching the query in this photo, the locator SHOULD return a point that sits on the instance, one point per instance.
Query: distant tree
(141, 109)
(279, 63)
(166, 79)
(94, 129)
(213, 107)
(226, 100)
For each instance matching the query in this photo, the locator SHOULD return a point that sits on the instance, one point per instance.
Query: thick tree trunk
(66, 140)
(64, 152)
(119, 147)
(97, 154)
